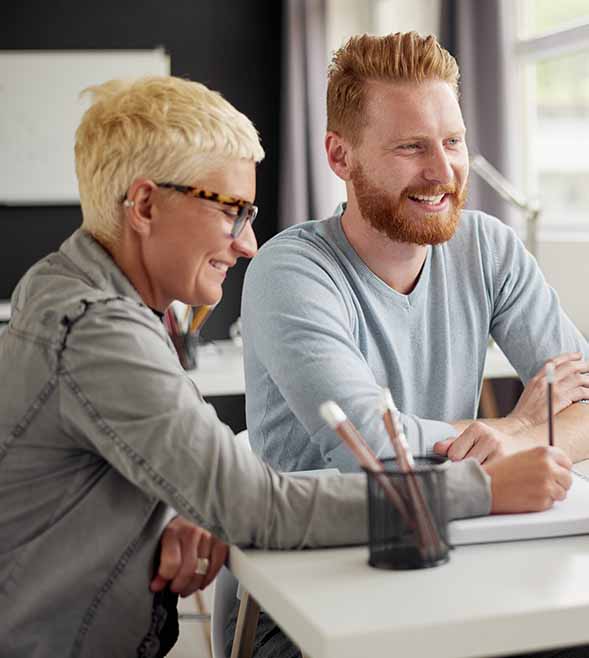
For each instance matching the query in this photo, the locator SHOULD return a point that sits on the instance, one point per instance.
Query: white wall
(565, 264)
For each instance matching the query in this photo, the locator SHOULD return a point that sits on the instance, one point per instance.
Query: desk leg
(245, 629)
(489, 408)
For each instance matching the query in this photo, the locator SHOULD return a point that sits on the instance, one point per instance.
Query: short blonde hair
(400, 57)
(164, 128)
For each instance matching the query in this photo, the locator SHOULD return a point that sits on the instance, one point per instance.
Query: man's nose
(438, 168)
(245, 243)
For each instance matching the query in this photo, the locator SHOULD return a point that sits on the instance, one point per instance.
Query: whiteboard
(40, 110)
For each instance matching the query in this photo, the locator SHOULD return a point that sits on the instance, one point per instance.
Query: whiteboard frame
(40, 109)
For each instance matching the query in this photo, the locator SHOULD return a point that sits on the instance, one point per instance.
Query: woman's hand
(183, 547)
(529, 481)
(571, 384)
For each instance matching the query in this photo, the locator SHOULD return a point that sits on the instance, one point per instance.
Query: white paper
(568, 517)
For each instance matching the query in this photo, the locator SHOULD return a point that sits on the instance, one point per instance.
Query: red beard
(386, 215)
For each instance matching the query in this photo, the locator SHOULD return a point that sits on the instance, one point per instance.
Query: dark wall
(232, 46)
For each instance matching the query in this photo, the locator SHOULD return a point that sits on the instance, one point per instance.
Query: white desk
(488, 600)
(220, 368)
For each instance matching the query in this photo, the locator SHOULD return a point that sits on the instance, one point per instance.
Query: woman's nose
(245, 243)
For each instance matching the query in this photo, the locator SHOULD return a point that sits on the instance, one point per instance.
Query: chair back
(223, 601)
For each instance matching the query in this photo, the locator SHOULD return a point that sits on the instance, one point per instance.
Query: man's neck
(398, 264)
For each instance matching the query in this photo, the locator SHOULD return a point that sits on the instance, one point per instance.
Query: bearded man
(402, 288)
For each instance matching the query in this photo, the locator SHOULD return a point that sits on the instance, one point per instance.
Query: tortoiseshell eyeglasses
(246, 211)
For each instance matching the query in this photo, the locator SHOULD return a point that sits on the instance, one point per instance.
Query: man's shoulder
(314, 240)
(478, 222)
(485, 232)
(313, 231)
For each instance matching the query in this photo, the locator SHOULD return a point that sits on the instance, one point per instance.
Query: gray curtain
(305, 178)
(477, 33)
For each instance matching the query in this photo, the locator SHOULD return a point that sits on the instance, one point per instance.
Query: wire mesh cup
(187, 348)
(413, 533)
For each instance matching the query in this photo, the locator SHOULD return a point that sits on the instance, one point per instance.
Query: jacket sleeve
(124, 395)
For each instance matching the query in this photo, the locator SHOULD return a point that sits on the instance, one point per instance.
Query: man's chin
(428, 231)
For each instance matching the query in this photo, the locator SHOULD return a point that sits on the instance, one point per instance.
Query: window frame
(567, 39)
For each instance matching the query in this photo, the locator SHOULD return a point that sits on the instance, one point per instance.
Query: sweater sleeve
(528, 321)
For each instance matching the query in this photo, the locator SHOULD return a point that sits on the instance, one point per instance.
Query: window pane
(547, 15)
(560, 138)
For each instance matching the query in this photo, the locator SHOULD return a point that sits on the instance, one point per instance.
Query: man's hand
(571, 384)
(478, 441)
(182, 543)
(497, 437)
(529, 481)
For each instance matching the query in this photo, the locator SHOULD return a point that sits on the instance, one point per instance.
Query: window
(553, 61)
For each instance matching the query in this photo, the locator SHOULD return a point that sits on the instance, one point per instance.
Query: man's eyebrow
(423, 137)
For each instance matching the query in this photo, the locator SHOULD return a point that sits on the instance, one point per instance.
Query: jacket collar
(96, 263)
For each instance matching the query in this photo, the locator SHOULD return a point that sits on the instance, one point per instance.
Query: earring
(128, 203)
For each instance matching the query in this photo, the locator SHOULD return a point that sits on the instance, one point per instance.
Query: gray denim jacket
(101, 436)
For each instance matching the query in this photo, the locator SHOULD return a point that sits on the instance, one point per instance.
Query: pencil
(345, 429)
(199, 317)
(171, 321)
(550, 382)
(431, 544)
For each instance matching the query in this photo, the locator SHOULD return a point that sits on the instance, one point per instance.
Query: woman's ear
(139, 206)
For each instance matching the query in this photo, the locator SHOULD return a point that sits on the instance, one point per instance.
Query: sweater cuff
(468, 489)
(423, 433)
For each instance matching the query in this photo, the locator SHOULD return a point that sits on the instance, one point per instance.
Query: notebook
(567, 517)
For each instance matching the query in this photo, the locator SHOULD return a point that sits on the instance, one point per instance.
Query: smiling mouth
(220, 266)
(434, 200)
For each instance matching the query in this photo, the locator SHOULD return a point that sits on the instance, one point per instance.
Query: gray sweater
(319, 325)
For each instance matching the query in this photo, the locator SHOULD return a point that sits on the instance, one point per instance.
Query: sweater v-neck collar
(409, 300)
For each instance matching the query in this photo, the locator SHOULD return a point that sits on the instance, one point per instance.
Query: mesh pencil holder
(411, 534)
(187, 348)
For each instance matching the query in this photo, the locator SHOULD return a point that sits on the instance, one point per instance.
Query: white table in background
(219, 369)
(488, 600)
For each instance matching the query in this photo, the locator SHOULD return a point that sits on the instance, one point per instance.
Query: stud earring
(128, 203)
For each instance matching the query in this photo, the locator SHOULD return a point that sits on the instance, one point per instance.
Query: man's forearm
(508, 424)
(571, 431)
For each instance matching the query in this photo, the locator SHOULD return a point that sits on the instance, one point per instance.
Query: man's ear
(139, 206)
(338, 155)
